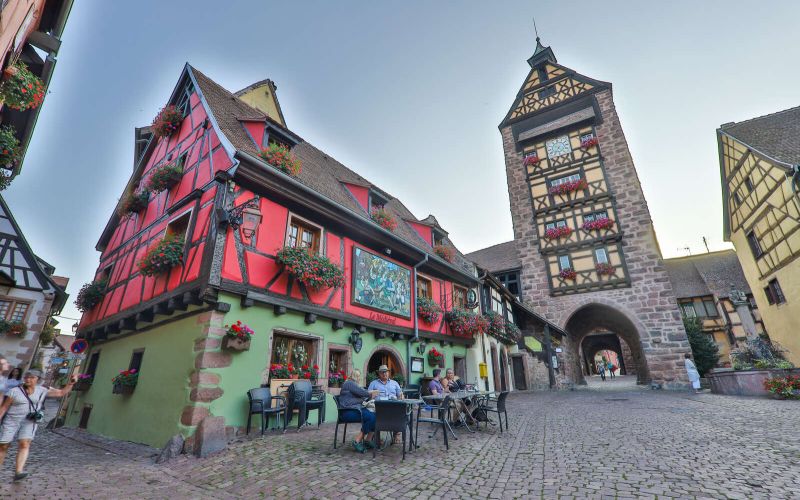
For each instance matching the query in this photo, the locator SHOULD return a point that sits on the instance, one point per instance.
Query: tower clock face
(558, 146)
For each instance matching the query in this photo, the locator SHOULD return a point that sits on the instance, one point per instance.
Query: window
(91, 368)
(600, 214)
(688, 310)
(737, 198)
(564, 262)
(136, 360)
(710, 307)
(755, 246)
(555, 224)
(338, 359)
(497, 301)
(564, 180)
(601, 255)
(774, 292)
(294, 350)
(179, 226)
(376, 200)
(510, 281)
(424, 287)
(748, 184)
(438, 238)
(12, 310)
(303, 235)
(459, 297)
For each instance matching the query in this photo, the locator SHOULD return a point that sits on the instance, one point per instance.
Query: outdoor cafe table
(462, 395)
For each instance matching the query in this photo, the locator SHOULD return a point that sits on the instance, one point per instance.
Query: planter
(82, 385)
(745, 382)
(123, 389)
(235, 343)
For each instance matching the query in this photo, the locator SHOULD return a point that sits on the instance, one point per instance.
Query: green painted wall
(152, 413)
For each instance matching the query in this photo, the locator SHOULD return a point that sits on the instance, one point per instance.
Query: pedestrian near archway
(691, 371)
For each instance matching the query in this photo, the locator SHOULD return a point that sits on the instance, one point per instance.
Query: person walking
(601, 369)
(610, 367)
(23, 410)
(691, 371)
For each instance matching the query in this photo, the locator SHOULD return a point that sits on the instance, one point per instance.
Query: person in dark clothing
(601, 369)
(353, 396)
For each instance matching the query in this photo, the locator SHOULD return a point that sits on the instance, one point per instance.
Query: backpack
(479, 414)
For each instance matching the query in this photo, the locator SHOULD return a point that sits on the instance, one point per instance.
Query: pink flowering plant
(314, 271)
(164, 177)
(589, 142)
(126, 377)
(21, 89)
(9, 147)
(383, 218)
(279, 157)
(555, 233)
(568, 187)
(239, 331)
(17, 328)
(167, 121)
(513, 332)
(496, 325)
(466, 323)
(531, 159)
(598, 224)
(133, 202)
(605, 269)
(568, 274)
(444, 251)
(165, 255)
(428, 310)
(90, 295)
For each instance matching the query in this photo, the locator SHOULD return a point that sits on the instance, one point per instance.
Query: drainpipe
(416, 320)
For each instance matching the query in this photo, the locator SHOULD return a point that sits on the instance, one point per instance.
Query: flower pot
(123, 389)
(82, 385)
(235, 343)
(10, 71)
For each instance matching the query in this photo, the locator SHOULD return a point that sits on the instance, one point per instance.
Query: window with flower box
(136, 360)
(564, 262)
(303, 234)
(564, 180)
(12, 310)
(601, 255)
(179, 226)
(292, 349)
(555, 224)
(338, 359)
(424, 288)
(591, 217)
(376, 200)
(510, 281)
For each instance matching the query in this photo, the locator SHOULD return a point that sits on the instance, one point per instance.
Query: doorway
(520, 383)
(384, 357)
(460, 367)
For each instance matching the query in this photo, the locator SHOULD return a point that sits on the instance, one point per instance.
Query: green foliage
(371, 376)
(164, 177)
(9, 146)
(760, 353)
(428, 310)
(47, 335)
(784, 387)
(167, 254)
(21, 89)
(312, 270)
(704, 350)
(400, 379)
(133, 202)
(90, 295)
(167, 121)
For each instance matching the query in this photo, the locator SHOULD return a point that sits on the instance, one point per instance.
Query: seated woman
(454, 384)
(353, 396)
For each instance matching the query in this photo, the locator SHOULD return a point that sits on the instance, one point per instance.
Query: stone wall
(649, 303)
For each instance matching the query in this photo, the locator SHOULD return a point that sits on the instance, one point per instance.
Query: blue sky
(409, 94)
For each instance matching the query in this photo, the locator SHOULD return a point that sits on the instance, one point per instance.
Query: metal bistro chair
(345, 416)
(261, 404)
(390, 416)
(302, 396)
(441, 410)
(499, 408)
(412, 391)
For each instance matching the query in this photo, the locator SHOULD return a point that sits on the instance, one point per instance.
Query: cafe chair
(438, 416)
(345, 416)
(412, 391)
(303, 398)
(390, 416)
(261, 403)
(498, 406)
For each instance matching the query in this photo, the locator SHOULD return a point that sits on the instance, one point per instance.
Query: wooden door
(503, 370)
(460, 367)
(520, 383)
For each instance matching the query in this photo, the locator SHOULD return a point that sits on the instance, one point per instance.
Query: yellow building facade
(759, 161)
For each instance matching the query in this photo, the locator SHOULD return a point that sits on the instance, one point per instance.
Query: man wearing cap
(386, 387)
(23, 410)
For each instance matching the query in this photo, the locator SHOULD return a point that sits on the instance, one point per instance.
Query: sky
(408, 94)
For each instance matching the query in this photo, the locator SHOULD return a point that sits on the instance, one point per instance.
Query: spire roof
(541, 54)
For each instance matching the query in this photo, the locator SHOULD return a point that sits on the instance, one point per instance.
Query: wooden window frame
(749, 184)
(337, 348)
(375, 199)
(593, 216)
(569, 261)
(605, 252)
(13, 302)
(460, 289)
(555, 224)
(316, 230)
(317, 344)
(690, 306)
(140, 352)
(775, 293)
(92, 370)
(428, 288)
(712, 312)
(755, 245)
(187, 237)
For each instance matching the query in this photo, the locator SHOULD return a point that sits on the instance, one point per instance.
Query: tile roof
(706, 274)
(777, 135)
(500, 257)
(320, 171)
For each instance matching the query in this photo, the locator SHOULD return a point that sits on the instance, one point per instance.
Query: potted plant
(787, 387)
(380, 216)
(336, 379)
(237, 337)
(17, 328)
(90, 295)
(164, 177)
(167, 121)
(125, 382)
(133, 202)
(309, 372)
(555, 233)
(435, 358)
(531, 159)
(83, 383)
(598, 224)
(281, 371)
(314, 271)
(465, 323)
(9, 147)
(588, 142)
(513, 333)
(444, 251)
(400, 379)
(165, 255)
(428, 310)
(279, 157)
(496, 325)
(605, 269)
(21, 89)
(568, 274)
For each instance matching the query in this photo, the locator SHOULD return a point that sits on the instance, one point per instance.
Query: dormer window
(376, 201)
(438, 238)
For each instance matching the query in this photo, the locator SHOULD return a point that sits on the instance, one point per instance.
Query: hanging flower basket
(164, 177)
(380, 216)
(314, 271)
(513, 333)
(167, 121)
(568, 187)
(90, 295)
(9, 147)
(279, 157)
(589, 142)
(555, 233)
(598, 224)
(13, 328)
(428, 310)
(604, 269)
(445, 252)
(134, 202)
(531, 160)
(84, 382)
(435, 358)
(568, 274)
(125, 382)
(237, 337)
(466, 323)
(496, 325)
(165, 255)
(20, 88)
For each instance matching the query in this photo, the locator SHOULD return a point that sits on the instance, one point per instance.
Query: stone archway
(594, 317)
(385, 355)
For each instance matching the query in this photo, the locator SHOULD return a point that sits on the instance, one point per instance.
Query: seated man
(435, 385)
(386, 387)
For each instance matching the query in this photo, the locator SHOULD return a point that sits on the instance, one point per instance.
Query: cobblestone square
(580, 444)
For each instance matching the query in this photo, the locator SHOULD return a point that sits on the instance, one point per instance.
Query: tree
(704, 350)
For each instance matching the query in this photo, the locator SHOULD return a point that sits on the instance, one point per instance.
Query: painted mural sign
(381, 284)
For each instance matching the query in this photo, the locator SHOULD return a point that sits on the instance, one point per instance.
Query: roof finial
(535, 30)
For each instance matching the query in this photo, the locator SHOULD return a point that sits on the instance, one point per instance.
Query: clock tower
(583, 234)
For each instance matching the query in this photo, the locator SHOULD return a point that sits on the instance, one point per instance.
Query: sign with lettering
(382, 318)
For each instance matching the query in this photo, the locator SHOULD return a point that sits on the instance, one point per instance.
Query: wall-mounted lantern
(356, 341)
(246, 217)
(421, 347)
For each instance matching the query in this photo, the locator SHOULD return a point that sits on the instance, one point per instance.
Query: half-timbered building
(586, 248)
(760, 176)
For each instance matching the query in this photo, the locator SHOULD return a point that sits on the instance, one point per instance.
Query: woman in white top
(694, 375)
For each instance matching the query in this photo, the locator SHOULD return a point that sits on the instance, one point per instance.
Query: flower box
(83, 384)
(237, 337)
(531, 160)
(568, 187)
(9, 147)
(605, 269)
(123, 389)
(444, 252)
(125, 382)
(589, 142)
(279, 157)
(165, 255)
(164, 177)
(235, 344)
(312, 270)
(90, 295)
(428, 310)
(568, 274)
(133, 203)
(555, 233)
(380, 216)
(598, 224)
(21, 89)
(745, 382)
(435, 358)
(466, 323)
(167, 121)
(15, 328)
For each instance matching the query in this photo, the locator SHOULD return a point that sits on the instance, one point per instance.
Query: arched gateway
(584, 250)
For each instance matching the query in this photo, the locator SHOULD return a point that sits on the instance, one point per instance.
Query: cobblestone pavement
(581, 444)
